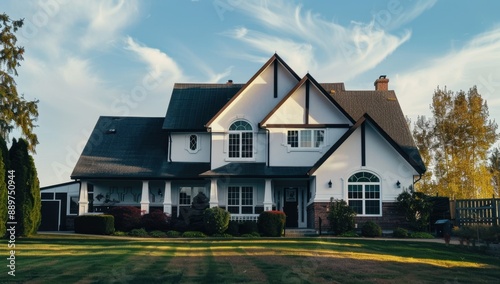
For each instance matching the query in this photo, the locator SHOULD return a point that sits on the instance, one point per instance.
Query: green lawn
(74, 259)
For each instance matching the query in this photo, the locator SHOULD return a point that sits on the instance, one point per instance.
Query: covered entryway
(292, 201)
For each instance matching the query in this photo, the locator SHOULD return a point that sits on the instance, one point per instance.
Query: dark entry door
(50, 215)
(291, 207)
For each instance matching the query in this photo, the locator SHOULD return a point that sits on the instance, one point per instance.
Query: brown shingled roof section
(383, 107)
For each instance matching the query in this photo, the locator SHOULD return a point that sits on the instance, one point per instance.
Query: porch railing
(248, 217)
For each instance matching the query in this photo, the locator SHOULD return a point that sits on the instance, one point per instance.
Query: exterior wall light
(398, 184)
(330, 184)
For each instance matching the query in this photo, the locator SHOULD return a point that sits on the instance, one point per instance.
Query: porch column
(145, 197)
(167, 201)
(83, 201)
(268, 197)
(214, 199)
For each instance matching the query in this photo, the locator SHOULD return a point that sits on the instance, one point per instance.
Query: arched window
(240, 140)
(363, 192)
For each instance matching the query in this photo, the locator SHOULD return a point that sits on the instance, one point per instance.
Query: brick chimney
(229, 82)
(382, 83)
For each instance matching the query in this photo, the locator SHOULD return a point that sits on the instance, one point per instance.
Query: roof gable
(411, 155)
(258, 82)
(307, 103)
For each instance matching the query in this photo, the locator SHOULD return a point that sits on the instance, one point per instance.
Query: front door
(290, 207)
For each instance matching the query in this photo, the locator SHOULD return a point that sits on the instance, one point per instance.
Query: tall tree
(28, 202)
(495, 169)
(15, 110)
(458, 138)
(4, 165)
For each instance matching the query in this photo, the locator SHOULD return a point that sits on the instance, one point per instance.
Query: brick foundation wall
(390, 219)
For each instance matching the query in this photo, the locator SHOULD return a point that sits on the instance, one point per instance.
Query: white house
(277, 142)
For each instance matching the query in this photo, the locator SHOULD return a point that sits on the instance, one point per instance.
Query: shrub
(421, 235)
(233, 228)
(400, 233)
(193, 234)
(371, 229)
(155, 221)
(173, 234)
(157, 234)
(138, 233)
(126, 217)
(416, 207)
(341, 217)
(248, 227)
(271, 223)
(94, 224)
(216, 220)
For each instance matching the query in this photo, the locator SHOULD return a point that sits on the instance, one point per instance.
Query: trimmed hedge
(127, 218)
(371, 229)
(155, 221)
(216, 220)
(95, 224)
(271, 223)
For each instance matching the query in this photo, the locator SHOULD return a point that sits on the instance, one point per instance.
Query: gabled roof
(309, 78)
(193, 105)
(131, 148)
(411, 155)
(384, 109)
(256, 170)
(274, 58)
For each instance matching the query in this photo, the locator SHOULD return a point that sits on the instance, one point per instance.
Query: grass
(92, 259)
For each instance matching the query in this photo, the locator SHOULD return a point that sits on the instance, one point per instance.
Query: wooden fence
(476, 211)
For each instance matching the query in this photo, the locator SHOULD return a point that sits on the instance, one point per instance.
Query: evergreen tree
(457, 138)
(4, 165)
(15, 110)
(28, 202)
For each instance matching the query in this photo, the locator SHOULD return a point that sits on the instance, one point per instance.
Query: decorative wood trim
(306, 126)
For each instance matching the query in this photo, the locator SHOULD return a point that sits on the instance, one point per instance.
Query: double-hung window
(240, 200)
(307, 138)
(186, 194)
(240, 140)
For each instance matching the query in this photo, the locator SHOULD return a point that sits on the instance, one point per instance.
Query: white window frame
(69, 204)
(240, 143)
(194, 190)
(188, 143)
(313, 141)
(240, 198)
(363, 198)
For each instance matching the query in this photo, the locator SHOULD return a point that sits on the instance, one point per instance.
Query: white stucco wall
(283, 155)
(381, 159)
(181, 152)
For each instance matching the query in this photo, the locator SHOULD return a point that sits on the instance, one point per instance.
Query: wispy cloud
(474, 64)
(309, 42)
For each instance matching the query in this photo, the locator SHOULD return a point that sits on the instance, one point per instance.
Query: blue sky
(90, 58)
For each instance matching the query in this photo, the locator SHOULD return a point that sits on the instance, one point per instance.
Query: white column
(214, 199)
(145, 197)
(83, 201)
(167, 200)
(268, 197)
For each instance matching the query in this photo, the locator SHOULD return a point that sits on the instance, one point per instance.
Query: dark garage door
(50, 215)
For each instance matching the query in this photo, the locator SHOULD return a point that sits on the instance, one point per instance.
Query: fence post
(494, 213)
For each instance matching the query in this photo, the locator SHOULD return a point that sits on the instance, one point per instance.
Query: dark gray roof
(383, 107)
(256, 170)
(193, 105)
(131, 147)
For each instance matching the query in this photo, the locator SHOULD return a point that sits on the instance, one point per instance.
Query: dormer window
(240, 140)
